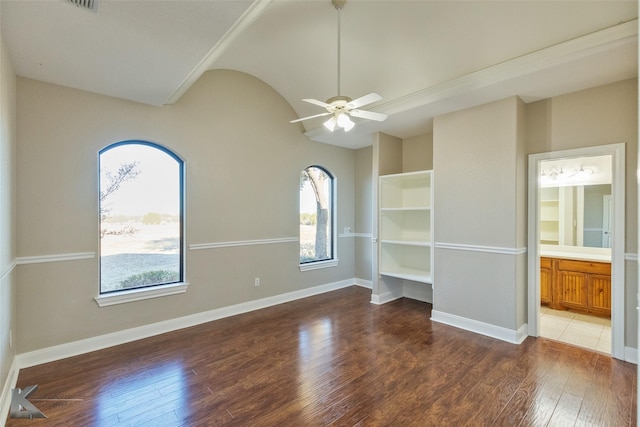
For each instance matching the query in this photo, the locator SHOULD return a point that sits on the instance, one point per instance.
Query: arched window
(316, 215)
(141, 216)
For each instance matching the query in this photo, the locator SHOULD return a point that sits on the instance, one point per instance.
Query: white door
(606, 221)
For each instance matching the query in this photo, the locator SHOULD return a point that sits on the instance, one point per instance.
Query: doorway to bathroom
(576, 247)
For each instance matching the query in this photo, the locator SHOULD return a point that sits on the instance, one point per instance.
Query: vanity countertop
(576, 252)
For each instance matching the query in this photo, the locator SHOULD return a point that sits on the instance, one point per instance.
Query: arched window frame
(157, 290)
(332, 260)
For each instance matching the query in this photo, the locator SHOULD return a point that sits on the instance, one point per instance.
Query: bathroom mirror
(575, 202)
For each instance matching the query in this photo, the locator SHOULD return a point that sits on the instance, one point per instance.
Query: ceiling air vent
(91, 5)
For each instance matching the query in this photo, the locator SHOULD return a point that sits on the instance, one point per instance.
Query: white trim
(316, 265)
(631, 257)
(130, 295)
(478, 248)
(418, 291)
(75, 348)
(6, 395)
(363, 283)
(216, 245)
(617, 151)
(367, 235)
(523, 65)
(385, 298)
(54, 258)
(493, 331)
(631, 355)
(250, 15)
(542, 59)
(4, 275)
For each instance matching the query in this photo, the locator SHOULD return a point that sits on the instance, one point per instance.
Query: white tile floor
(577, 329)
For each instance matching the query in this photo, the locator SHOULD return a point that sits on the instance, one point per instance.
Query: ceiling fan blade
(364, 100)
(310, 117)
(316, 102)
(370, 115)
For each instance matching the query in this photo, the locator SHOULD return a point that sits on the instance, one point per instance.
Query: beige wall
(228, 126)
(243, 160)
(393, 155)
(479, 170)
(363, 210)
(417, 153)
(387, 159)
(598, 116)
(7, 211)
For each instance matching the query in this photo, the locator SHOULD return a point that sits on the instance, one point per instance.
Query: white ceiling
(424, 57)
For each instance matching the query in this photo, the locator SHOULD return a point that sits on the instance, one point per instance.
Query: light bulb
(585, 172)
(345, 122)
(342, 119)
(331, 123)
(349, 125)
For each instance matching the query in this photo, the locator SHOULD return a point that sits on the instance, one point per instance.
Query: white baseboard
(385, 298)
(75, 348)
(482, 328)
(631, 355)
(418, 291)
(6, 395)
(363, 283)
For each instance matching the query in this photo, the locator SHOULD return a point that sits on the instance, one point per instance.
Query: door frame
(617, 151)
(607, 208)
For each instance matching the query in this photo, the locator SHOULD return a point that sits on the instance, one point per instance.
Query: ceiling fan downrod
(341, 108)
(338, 4)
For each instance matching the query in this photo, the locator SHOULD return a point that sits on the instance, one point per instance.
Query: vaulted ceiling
(424, 57)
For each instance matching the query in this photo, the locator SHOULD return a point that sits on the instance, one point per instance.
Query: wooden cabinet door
(546, 285)
(572, 289)
(600, 294)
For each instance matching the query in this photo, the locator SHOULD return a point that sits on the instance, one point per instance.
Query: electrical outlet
(256, 281)
(10, 338)
(347, 230)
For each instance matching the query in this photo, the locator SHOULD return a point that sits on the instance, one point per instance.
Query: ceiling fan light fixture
(331, 123)
(345, 122)
(342, 107)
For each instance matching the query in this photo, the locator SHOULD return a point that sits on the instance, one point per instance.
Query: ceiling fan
(342, 108)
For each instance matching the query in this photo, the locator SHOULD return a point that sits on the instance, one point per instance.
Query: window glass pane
(140, 217)
(316, 215)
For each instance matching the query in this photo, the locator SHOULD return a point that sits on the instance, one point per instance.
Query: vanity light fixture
(583, 172)
(562, 175)
(555, 173)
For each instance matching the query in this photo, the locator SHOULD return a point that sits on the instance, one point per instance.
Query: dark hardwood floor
(333, 359)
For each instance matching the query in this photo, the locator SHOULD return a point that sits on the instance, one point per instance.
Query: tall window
(316, 215)
(141, 213)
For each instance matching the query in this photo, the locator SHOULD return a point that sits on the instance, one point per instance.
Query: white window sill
(131, 295)
(318, 265)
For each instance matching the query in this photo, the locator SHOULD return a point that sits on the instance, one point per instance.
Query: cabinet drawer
(545, 262)
(584, 266)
